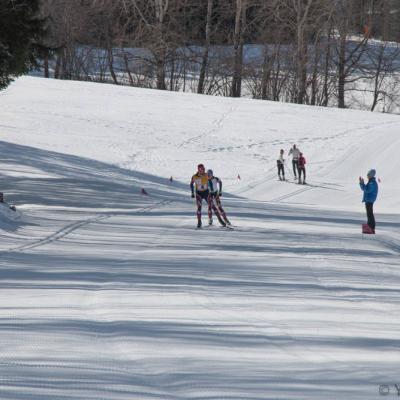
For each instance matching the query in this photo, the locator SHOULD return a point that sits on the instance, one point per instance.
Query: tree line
(317, 52)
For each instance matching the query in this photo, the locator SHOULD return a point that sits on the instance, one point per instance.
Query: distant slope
(167, 134)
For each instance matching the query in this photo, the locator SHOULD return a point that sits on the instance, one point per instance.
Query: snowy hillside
(167, 134)
(108, 293)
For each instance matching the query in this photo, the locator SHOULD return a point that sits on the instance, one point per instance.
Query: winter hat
(371, 173)
(200, 166)
(210, 172)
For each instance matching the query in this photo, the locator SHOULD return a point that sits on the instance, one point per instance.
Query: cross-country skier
(370, 194)
(215, 188)
(295, 161)
(281, 165)
(302, 168)
(199, 183)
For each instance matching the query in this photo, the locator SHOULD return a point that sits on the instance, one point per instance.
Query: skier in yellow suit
(199, 185)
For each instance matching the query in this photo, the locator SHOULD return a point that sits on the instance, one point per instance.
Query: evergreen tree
(21, 30)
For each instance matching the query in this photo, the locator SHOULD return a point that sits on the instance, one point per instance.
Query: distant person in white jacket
(295, 161)
(281, 166)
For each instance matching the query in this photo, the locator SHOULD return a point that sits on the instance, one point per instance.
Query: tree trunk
(302, 13)
(160, 65)
(378, 76)
(266, 74)
(341, 72)
(46, 65)
(325, 101)
(301, 65)
(57, 70)
(314, 79)
(127, 69)
(238, 49)
(161, 7)
(386, 20)
(204, 60)
(64, 73)
(110, 60)
(172, 73)
(276, 88)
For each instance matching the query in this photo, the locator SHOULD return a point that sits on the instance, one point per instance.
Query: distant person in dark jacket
(370, 190)
(302, 168)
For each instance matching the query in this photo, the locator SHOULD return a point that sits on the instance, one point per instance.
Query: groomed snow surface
(107, 293)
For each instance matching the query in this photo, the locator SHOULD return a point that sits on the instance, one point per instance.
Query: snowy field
(110, 294)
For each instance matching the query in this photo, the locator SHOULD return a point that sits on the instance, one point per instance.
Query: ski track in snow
(110, 294)
(66, 230)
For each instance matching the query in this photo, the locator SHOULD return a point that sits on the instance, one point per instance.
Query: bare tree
(240, 22)
(302, 9)
(349, 52)
(206, 47)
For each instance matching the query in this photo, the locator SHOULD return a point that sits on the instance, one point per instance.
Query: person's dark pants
(370, 215)
(295, 164)
(281, 170)
(302, 170)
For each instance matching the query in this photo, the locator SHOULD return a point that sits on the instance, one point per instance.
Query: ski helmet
(371, 173)
(210, 172)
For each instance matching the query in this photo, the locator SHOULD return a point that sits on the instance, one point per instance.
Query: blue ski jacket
(370, 191)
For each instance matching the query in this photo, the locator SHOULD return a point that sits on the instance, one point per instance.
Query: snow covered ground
(111, 294)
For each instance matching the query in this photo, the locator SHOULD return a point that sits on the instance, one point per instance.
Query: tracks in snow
(292, 194)
(66, 230)
(217, 125)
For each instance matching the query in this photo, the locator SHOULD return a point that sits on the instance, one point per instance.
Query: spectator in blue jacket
(370, 190)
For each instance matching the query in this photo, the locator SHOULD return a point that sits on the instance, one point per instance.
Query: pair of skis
(210, 226)
(286, 180)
